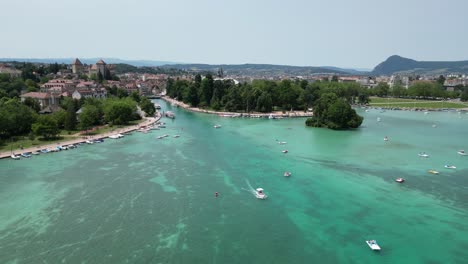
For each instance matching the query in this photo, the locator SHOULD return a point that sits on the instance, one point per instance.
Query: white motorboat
(217, 126)
(462, 152)
(433, 171)
(114, 136)
(161, 137)
(373, 244)
(287, 174)
(170, 114)
(15, 156)
(385, 138)
(89, 142)
(450, 167)
(176, 136)
(282, 142)
(26, 155)
(400, 180)
(285, 151)
(423, 155)
(260, 194)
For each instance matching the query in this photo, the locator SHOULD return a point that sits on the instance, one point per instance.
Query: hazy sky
(343, 33)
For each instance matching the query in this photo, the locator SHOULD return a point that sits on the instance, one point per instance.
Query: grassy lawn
(414, 103)
(25, 142)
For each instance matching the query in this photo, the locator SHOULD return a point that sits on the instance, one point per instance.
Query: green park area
(414, 103)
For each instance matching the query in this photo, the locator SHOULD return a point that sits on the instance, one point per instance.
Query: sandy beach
(148, 121)
(232, 114)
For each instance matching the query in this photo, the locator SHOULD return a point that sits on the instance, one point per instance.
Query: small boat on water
(170, 114)
(385, 138)
(217, 126)
(400, 180)
(15, 156)
(282, 142)
(176, 136)
(423, 155)
(45, 150)
(89, 142)
(161, 137)
(433, 171)
(462, 152)
(260, 194)
(378, 119)
(37, 152)
(285, 151)
(450, 167)
(287, 174)
(26, 155)
(373, 244)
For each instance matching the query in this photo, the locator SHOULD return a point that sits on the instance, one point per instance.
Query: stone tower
(77, 66)
(101, 67)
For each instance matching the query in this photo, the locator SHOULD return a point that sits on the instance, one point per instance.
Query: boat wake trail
(250, 189)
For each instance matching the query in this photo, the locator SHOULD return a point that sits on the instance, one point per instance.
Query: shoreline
(148, 121)
(277, 114)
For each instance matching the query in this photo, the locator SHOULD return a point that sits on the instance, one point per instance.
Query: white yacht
(373, 244)
(423, 155)
(217, 126)
(285, 151)
(450, 167)
(15, 156)
(462, 152)
(260, 194)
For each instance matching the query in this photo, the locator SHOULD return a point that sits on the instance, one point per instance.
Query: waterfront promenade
(148, 121)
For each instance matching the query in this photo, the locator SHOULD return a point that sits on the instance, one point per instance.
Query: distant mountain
(137, 63)
(396, 64)
(258, 69)
(354, 71)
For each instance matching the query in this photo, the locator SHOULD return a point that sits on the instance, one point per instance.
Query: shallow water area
(140, 199)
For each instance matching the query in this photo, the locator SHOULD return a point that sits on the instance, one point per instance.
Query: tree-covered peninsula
(330, 100)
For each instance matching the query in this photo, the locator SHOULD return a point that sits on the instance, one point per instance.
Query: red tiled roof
(36, 95)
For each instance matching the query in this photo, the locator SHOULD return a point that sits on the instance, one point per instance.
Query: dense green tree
(33, 104)
(17, 118)
(89, 116)
(135, 96)
(46, 126)
(119, 111)
(264, 103)
(192, 95)
(206, 90)
(60, 117)
(147, 106)
(382, 89)
(70, 118)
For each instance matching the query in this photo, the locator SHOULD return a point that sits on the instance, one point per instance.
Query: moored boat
(26, 154)
(423, 155)
(15, 156)
(400, 180)
(433, 171)
(285, 151)
(450, 167)
(462, 152)
(287, 174)
(217, 126)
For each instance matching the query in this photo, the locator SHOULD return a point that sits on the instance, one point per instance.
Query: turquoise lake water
(145, 200)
